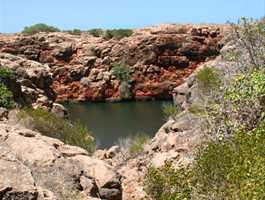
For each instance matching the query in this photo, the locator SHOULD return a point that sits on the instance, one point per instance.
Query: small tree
(117, 33)
(37, 28)
(75, 32)
(51, 125)
(232, 103)
(122, 73)
(96, 32)
(249, 36)
(6, 96)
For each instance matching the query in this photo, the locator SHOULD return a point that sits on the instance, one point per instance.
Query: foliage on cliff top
(96, 32)
(74, 32)
(111, 33)
(51, 125)
(37, 28)
(117, 33)
(249, 36)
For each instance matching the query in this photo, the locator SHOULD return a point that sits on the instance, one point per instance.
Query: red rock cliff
(159, 57)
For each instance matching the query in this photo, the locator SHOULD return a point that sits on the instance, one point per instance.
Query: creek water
(109, 122)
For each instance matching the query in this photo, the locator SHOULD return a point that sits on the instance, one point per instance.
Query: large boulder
(30, 80)
(48, 167)
(16, 181)
(108, 181)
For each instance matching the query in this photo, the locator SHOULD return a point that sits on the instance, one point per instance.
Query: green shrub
(75, 32)
(170, 110)
(233, 170)
(52, 126)
(6, 97)
(137, 143)
(230, 170)
(168, 183)
(249, 36)
(117, 33)
(109, 34)
(208, 80)
(5, 74)
(210, 171)
(249, 87)
(232, 56)
(132, 145)
(122, 72)
(37, 28)
(96, 32)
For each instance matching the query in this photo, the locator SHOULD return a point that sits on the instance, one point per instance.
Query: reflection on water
(111, 121)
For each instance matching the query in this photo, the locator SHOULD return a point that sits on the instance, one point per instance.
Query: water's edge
(110, 122)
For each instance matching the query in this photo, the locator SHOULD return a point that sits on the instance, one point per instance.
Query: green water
(110, 121)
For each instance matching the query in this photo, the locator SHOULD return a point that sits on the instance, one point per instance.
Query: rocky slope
(37, 167)
(159, 57)
(79, 67)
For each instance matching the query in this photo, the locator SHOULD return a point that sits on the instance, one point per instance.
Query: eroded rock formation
(159, 58)
(37, 167)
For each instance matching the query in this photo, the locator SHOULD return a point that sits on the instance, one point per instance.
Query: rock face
(159, 59)
(37, 167)
(30, 81)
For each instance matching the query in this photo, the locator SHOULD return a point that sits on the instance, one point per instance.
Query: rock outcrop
(38, 167)
(159, 58)
(30, 82)
(162, 60)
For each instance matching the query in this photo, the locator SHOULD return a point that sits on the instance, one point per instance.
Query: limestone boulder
(16, 180)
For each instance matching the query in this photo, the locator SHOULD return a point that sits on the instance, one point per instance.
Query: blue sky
(86, 14)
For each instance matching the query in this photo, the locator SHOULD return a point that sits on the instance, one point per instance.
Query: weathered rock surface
(30, 81)
(159, 57)
(16, 181)
(33, 166)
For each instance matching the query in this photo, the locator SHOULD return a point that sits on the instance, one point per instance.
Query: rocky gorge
(80, 67)
(55, 67)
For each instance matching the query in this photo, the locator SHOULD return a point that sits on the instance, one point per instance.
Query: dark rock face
(111, 194)
(159, 59)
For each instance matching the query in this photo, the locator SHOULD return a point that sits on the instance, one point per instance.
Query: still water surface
(110, 121)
